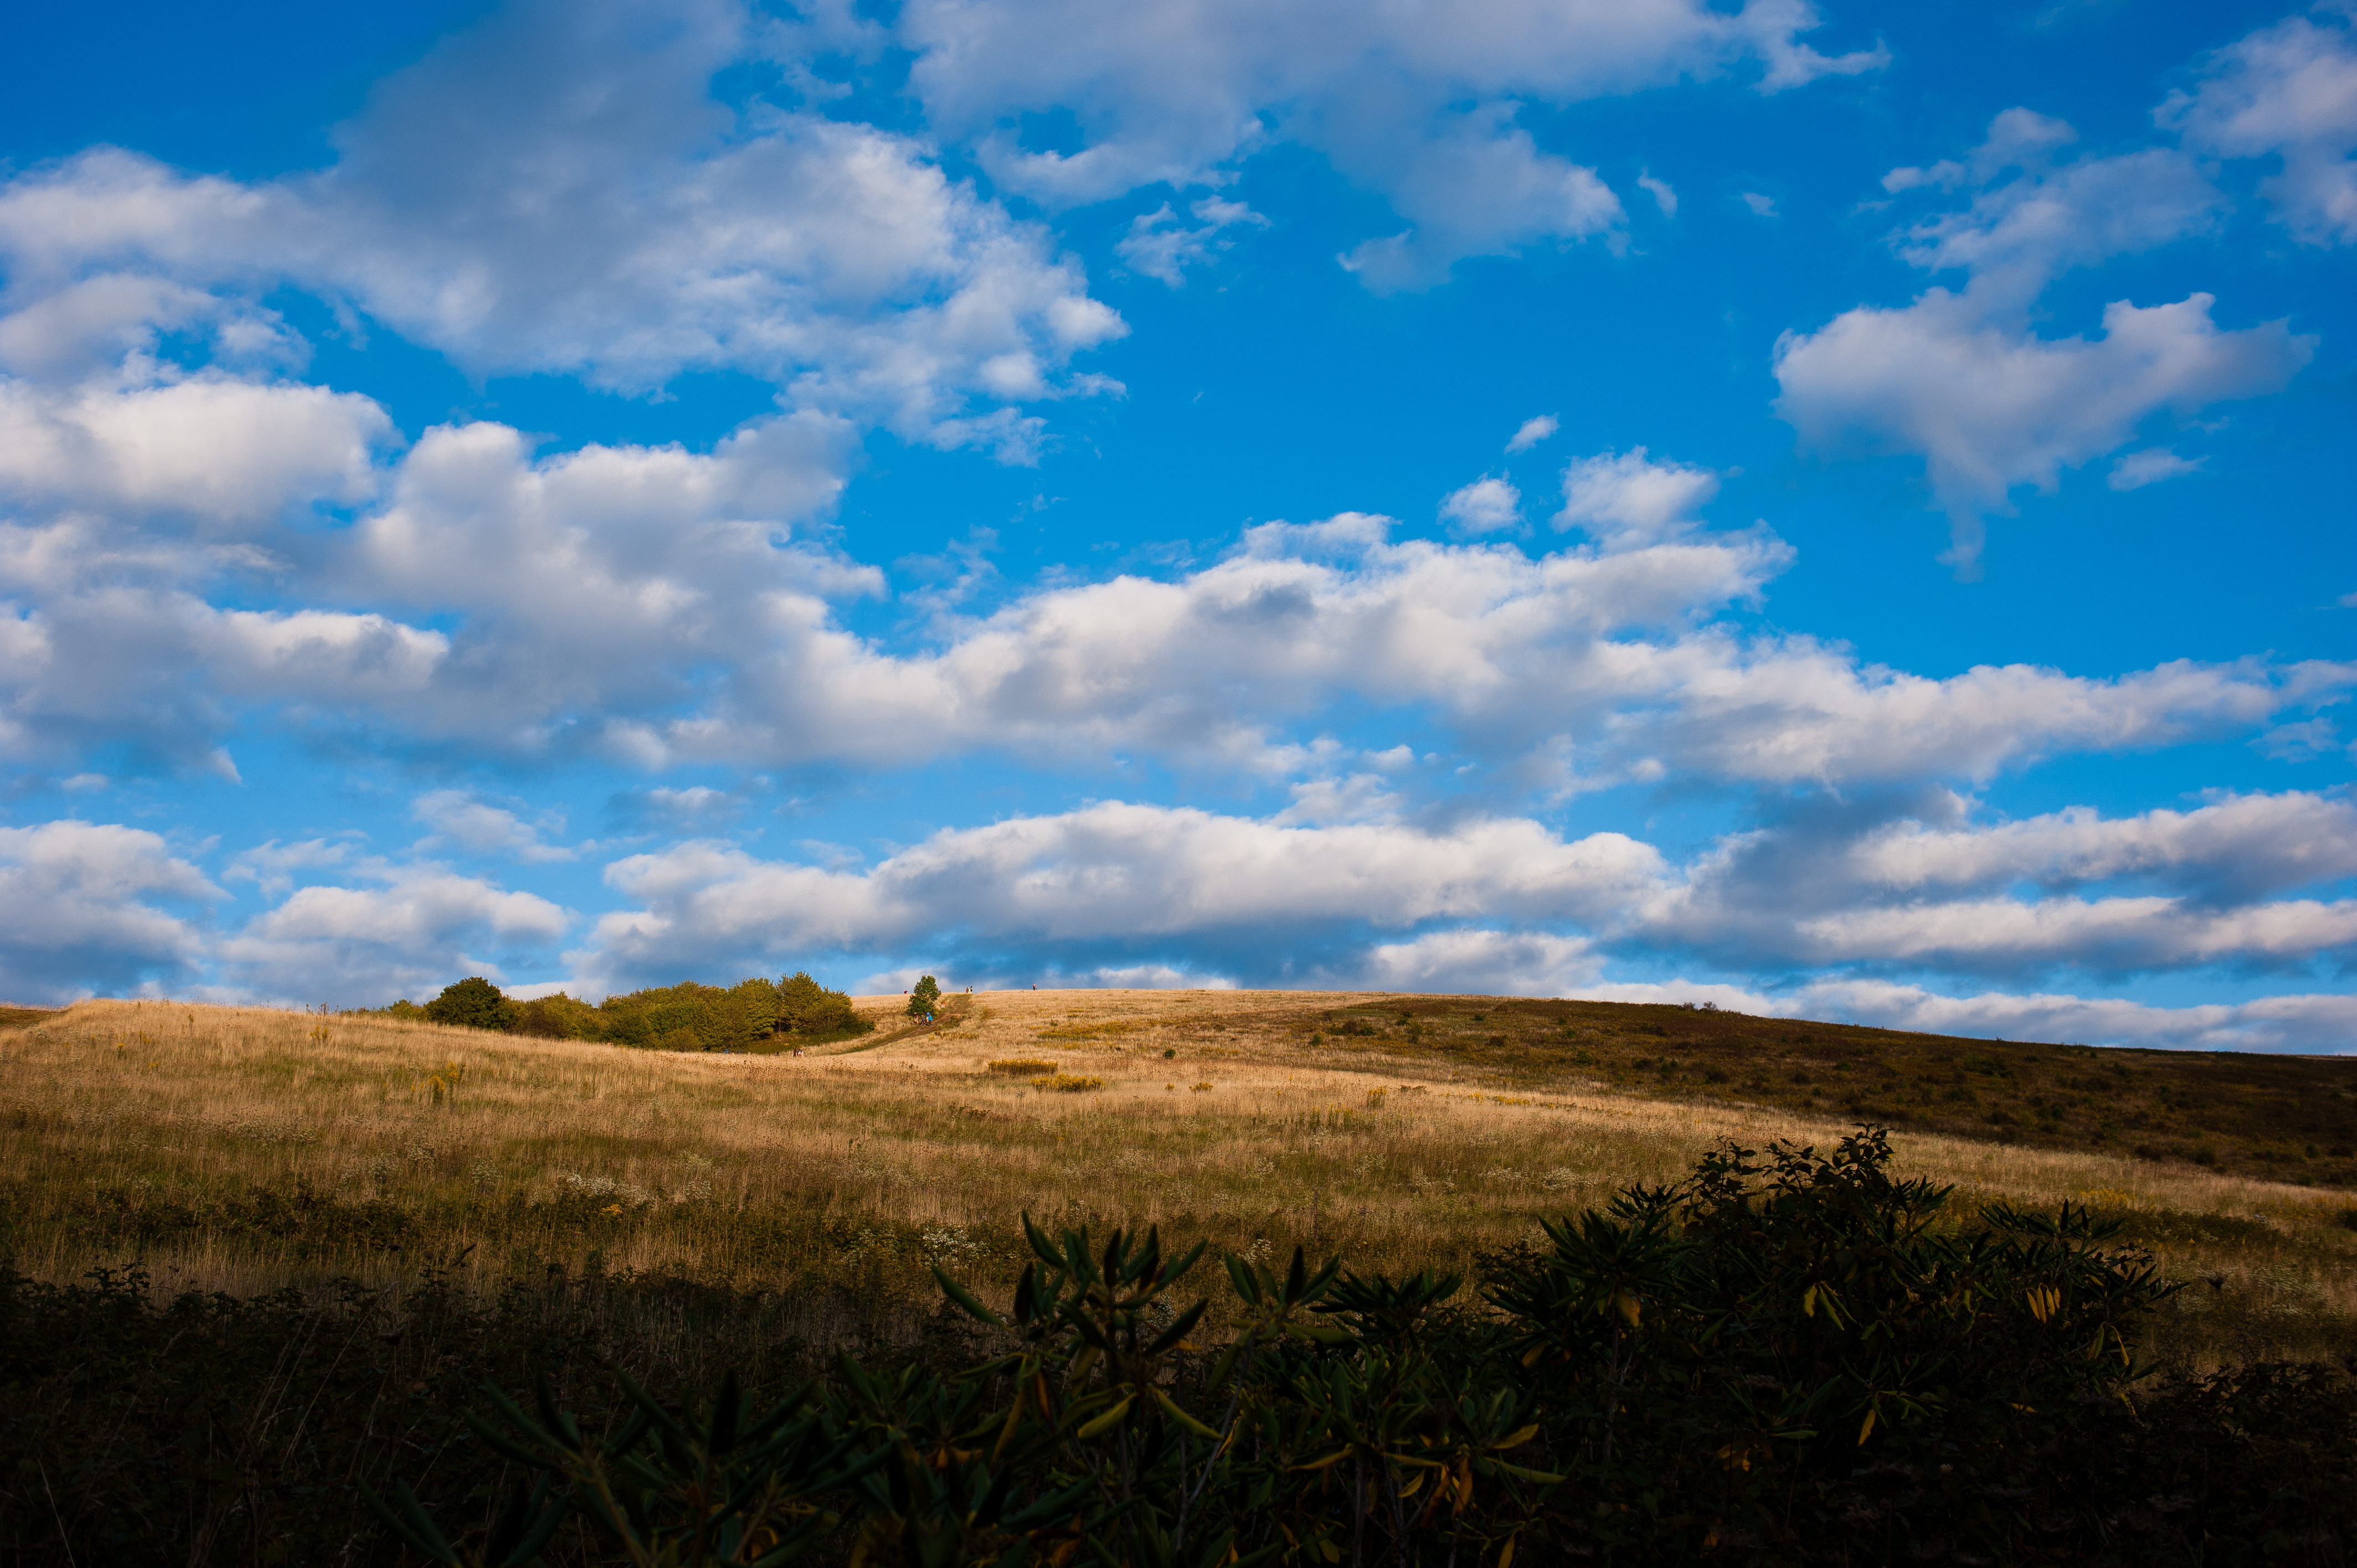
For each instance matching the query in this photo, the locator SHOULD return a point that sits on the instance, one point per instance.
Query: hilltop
(2293, 1118)
(2288, 1118)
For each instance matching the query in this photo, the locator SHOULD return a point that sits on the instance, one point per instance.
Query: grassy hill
(241, 1149)
(2286, 1117)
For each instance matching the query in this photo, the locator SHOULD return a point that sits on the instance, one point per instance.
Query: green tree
(683, 1017)
(926, 998)
(473, 1003)
(744, 1015)
(559, 1017)
(808, 1008)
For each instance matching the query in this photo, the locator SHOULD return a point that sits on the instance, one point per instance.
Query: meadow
(240, 1150)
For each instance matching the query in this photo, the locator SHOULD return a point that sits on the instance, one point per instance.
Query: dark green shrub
(404, 1008)
(473, 1003)
(925, 998)
(1785, 1359)
(1788, 1358)
(559, 1017)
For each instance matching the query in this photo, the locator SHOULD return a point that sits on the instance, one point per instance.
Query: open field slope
(239, 1149)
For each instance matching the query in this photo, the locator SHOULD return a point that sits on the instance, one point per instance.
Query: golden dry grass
(146, 1129)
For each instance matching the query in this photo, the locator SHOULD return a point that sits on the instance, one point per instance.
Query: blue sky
(1836, 512)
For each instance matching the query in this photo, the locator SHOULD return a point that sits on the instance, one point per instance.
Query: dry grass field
(237, 1149)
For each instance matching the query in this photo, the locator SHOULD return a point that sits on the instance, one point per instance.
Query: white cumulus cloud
(1847, 885)
(415, 930)
(1163, 246)
(81, 910)
(1990, 407)
(2135, 471)
(1533, 431)
(1485, 506)
(555, 189)
(2293, 1022)
(460, 818)
(1114, 876)
(1961, 380)
(1416, 103)
(218, 450)
(2287, 91)
(1481, 962)
(1626, 500)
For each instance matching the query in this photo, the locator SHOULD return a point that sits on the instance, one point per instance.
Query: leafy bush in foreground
(1787, 1360)
(1690, 1388)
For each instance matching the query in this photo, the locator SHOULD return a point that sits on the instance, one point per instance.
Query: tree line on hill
(683, 1017)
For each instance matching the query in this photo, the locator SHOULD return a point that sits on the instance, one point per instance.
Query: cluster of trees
(683, 1017)
(1791, 1360)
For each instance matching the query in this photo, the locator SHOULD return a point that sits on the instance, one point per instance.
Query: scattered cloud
(1485, 506)
(1162, 246)
(273, 868)
(2135, 471)
(85, 907)
(459, 819)
(1626, 501)
(1503, 904)
(1531, 432)
(695, 808)
(2321, 1023)
(1863, 891)
(1113, 878)
(687, 636)
(1850, 884)
(417, 930)
(2030, 218)
(220, 455)
(1474, 188)
(196, 544)
(1961, 380)
(1480, 962)
(2304, 741)
(2289, 93)
(1417, 105)
(2240, 846)
(2292, 1023)
(556, 191)
(1990, 407)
